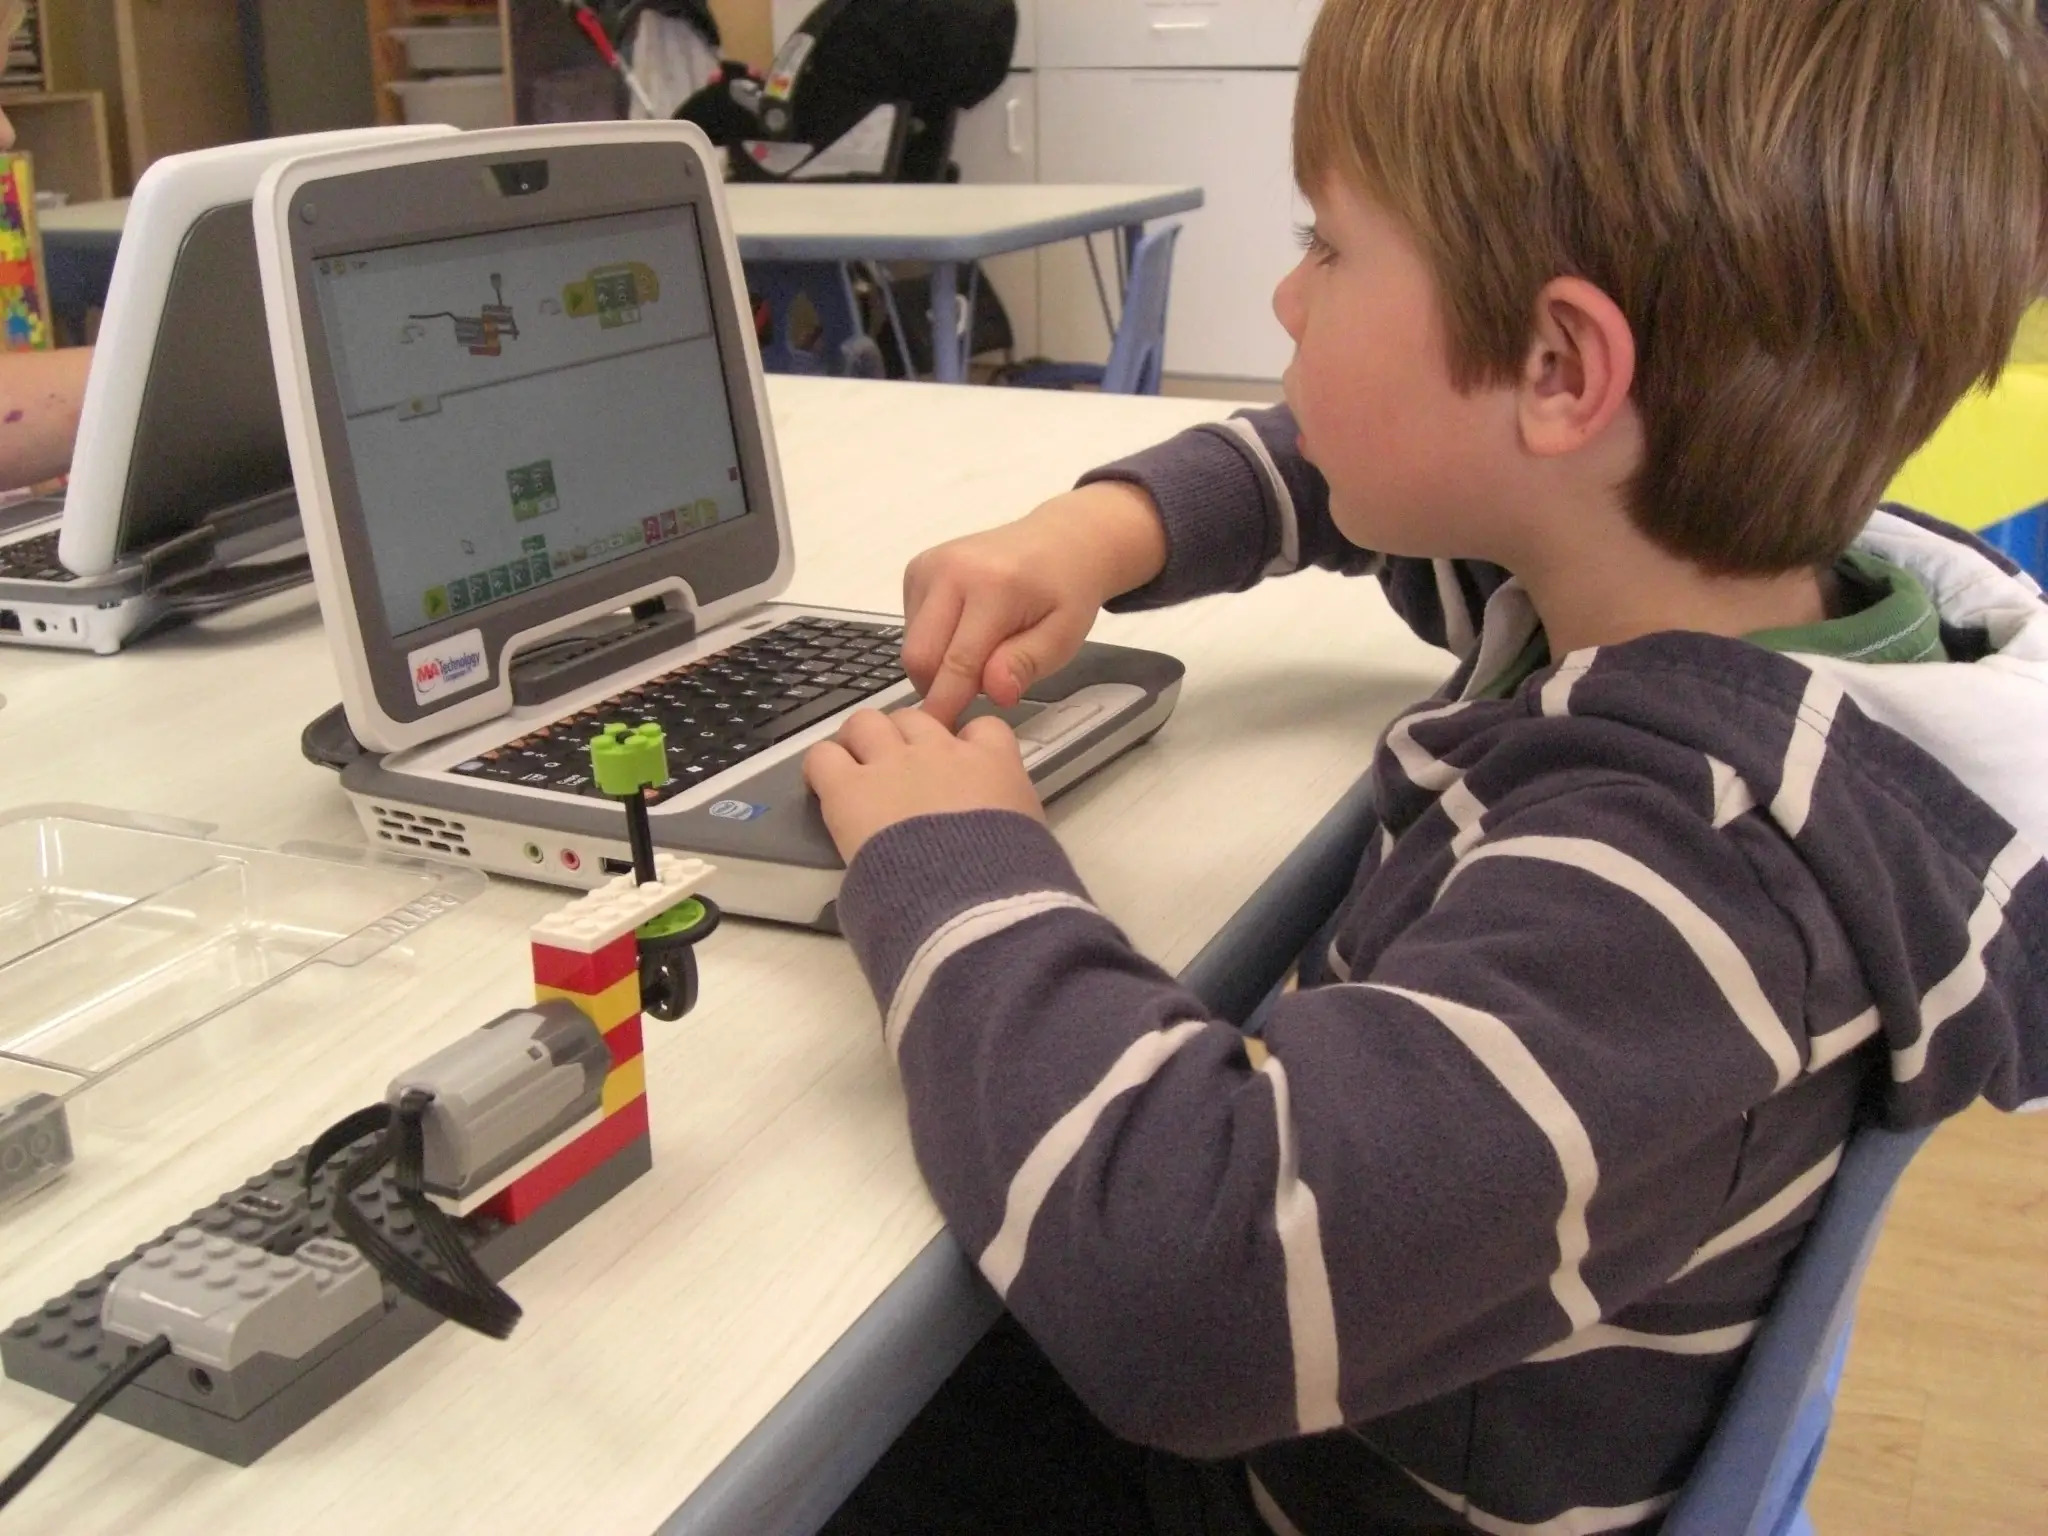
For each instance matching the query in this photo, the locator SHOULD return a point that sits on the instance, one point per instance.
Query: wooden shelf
(66, 134)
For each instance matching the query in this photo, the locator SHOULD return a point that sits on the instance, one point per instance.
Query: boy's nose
(6, 133)
(1287, 307)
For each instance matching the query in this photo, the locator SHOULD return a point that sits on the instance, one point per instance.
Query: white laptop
(180, 470)
(538, 479)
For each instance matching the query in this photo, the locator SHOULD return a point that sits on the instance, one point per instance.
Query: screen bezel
(451, 197)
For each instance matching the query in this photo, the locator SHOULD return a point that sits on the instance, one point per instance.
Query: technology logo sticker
(736, 810)
(448, 666)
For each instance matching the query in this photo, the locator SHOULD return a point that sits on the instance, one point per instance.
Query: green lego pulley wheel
(668, 956)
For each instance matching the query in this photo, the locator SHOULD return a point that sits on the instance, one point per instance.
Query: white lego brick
(620, 905)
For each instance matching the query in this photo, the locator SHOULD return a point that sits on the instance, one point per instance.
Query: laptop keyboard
(33, 559)
(718, 711)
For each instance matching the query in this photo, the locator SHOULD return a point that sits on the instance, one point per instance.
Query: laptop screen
(528, 404)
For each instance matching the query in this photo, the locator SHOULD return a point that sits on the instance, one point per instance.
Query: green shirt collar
(1890, 618)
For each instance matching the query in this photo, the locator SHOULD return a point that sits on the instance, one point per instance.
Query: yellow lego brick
(625, 1084)
(607, 1009)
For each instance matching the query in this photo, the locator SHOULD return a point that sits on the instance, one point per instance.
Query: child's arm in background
(40, 396)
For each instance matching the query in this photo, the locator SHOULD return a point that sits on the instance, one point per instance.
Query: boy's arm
(1525, 1117)
(1240, 503)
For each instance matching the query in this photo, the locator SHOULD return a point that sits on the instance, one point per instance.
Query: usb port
(616, 866)
(10, 621)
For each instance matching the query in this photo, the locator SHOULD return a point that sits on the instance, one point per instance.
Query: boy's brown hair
(1822, 218)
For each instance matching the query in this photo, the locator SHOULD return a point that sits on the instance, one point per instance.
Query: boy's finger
(981, 629)
(870, 736)
(827, 767)
(989, 732)
(918, 726)
(927, 628)
(1024, 658)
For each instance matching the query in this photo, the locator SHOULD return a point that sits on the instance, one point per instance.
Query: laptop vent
(415, 829)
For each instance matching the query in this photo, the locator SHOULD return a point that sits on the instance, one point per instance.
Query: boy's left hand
(882, 769)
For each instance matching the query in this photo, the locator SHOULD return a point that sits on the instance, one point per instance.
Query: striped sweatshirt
(1476, 1235)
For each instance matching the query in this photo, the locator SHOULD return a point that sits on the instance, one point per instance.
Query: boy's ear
(1579, 370)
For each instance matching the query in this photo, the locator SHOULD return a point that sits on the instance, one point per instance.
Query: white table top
(783, 1198)
(796, 222)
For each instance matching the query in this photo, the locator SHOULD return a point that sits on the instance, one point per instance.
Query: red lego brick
(573, 972)
(624, 1040)
(520, 1199)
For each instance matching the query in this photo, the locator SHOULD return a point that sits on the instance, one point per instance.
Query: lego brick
(237, 1415)
(606, 1009)
(503, 1091)
(35, 1143)
(573, 971)
(617, 907)
(522, 1200)
(627, 1082)
(221, 1302)
(624, 1042)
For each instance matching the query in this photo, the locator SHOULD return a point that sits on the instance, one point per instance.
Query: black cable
(81, 1413)
(468, 1296)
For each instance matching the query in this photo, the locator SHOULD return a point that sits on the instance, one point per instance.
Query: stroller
(863, 90)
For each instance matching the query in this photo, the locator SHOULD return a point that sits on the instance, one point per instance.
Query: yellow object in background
(1989, 460)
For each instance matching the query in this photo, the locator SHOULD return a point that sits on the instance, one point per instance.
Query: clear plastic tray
(132, 948)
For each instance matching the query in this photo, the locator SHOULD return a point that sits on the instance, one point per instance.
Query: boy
(1726, 830)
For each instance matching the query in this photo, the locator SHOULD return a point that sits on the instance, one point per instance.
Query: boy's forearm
(1118, 528)
(40, 397)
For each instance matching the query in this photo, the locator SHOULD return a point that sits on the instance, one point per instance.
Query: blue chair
(1753, 1477)
(2023, 539)
(843, 348)
(1137, 355)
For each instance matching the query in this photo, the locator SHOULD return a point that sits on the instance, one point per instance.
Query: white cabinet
(1173, 34)
(1226, 131)
(997, 142)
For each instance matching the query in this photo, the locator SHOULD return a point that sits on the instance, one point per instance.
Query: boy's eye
(1311, 240)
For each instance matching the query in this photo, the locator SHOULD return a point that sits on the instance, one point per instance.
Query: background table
(783, 1204)
(943, 225)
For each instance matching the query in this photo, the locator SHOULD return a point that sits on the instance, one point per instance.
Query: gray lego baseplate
(238, 1411)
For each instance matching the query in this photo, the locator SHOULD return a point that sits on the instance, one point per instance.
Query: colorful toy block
(607, 1009)
(574, 971)
(612, 911)
(524, 1198)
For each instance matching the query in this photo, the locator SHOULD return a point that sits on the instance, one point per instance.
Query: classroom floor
(1942, 1426)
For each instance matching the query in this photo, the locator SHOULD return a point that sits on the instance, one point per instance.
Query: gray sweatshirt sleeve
(1519, 1118)
(1240, 503)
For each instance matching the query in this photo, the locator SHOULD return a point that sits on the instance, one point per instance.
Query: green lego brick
(627, 759)
(678, 919)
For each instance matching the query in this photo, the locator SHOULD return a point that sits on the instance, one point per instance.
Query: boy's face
(1415, 466)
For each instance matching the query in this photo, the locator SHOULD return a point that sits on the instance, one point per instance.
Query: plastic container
(458, 46)
(133, 951)
(463, 101)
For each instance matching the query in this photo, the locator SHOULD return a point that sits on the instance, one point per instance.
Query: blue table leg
(950, 342)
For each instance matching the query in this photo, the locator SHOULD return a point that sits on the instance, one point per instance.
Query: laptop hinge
(595, 651)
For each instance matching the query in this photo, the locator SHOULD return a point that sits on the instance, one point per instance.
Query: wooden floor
(1942, 1427)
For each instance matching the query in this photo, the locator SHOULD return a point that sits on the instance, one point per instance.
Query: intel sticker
(448, 666)
(736, 810)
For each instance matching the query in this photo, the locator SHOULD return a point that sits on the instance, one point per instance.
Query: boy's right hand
(993, 612)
